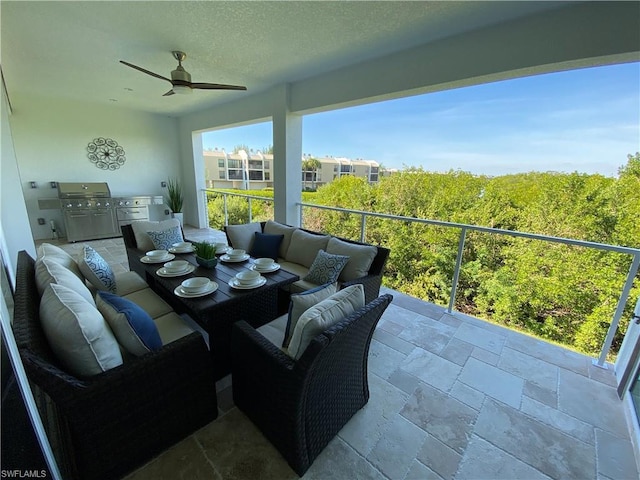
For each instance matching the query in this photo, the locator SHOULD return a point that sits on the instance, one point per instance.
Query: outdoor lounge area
(451, 397)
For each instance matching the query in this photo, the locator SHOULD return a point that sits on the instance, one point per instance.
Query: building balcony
(452, 397)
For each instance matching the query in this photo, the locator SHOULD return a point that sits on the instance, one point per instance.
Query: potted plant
(205, 254)
(175, 198)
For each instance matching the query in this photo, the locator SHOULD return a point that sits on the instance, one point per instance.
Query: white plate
(188, 250)
(274, 268)
(163, 272)
(227, 258)
(213, 286)
(146, 259)
(222, 250)
(234, 283)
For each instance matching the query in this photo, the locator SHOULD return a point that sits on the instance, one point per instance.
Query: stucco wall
(51, 137)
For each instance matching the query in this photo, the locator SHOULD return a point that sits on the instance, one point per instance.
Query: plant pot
(207, 262)
(179, 216)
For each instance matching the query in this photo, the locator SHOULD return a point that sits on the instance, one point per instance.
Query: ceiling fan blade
(170, 92)
(144, 71)
(217, 86)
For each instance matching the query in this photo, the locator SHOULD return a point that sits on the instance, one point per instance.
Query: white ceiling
(72, 49)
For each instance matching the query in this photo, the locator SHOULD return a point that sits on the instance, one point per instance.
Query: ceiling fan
(181, 79)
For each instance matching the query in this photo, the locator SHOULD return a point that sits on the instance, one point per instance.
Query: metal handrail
(464, 228)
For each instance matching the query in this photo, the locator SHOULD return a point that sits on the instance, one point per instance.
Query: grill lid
(83, 190)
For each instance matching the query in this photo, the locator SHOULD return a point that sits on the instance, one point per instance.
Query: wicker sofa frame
(301, 405)
(371, 282)
(109, 424)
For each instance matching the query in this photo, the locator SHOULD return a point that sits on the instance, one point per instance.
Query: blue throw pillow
(164, 239)
(133, 327)
(266, 246)
(97, 270)
(326, 268)
(301, 302)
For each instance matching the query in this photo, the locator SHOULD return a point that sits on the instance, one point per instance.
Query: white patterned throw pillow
(97, 270)
(164, 239)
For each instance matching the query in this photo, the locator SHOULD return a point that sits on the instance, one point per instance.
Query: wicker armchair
(301, 405)
(104, 426)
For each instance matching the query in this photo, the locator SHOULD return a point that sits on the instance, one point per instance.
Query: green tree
(312, 165)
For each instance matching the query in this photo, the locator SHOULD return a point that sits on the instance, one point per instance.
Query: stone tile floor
(452, 397)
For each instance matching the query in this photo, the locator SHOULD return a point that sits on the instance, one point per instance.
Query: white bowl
(236, 252)
(176, 266)
(221, 247)
(182, 245)
(156, 254)
(247, 277)
(264, 263)
(195, 284)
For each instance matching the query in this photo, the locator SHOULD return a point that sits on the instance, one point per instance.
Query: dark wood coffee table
(218, 311)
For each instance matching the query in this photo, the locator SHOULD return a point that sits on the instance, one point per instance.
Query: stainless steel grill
(87, 211)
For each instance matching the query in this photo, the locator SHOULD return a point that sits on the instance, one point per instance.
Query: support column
(287, 161)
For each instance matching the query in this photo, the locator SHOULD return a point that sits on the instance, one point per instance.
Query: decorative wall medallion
(106, 153)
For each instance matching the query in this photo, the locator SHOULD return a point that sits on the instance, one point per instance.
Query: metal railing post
(606, 346)
(363, 226)
(456, 271)
(301, 207)
(226, 213)
(250, 213)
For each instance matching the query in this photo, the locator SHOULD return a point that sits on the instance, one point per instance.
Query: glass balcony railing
(456, 247)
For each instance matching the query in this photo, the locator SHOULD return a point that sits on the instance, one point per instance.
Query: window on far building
(221, 162)
(255, 174)
(235, 175)
(267, 176)
(222, 173)
(266, 164)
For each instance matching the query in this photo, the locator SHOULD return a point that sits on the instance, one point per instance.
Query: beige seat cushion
(275, 228)
(58, 255)
(274, 331)
(241, 236)
(322, 316)
(48, 271)
(300, 270)
(305, 246)
(150, 302)
(360, 258)
(77, 332)
(141, 227)
(129, 282)
(302, 302)
(171, 327)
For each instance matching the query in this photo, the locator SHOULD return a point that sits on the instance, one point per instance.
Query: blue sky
(584, 120)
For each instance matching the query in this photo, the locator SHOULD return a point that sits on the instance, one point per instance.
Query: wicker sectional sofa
(104, 425)
(299, 248)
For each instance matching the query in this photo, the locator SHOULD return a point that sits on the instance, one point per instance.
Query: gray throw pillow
(326, 268)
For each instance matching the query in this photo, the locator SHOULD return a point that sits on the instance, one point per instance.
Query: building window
(255, 164)
(335, 169)
(345, 169)
(235, 163)
(235, 175)
(374, 177)
(374, 170)
(221, 162)
(222, 174)
(266, 165)
(267, 176)
(255, 175)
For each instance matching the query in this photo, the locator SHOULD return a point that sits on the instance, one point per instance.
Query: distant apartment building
(254, 170)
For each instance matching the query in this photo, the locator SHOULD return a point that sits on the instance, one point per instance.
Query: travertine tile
(394, 452)
(404, 381)
(418, 471)
(493, 381)
(431, 369)
(338, 460)
(384, 360)
(439, 457)
(545, 448)
(540, 394)
(457, 351)
(480, 337)
(467, 395)
(555, 418)
(615, 456)
(530, 368)
(591, 402)
(366, 427)
(393, 341)
(484, 461)
(440, 415)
